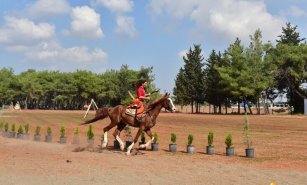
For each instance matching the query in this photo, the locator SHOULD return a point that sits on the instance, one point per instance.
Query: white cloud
(117, 6)
(297, 11)
(23, 31)
(224, 19)
(182, 53)
(177, 9)
(125, 26)
(73, 57)
(47, 8)
(86, 23)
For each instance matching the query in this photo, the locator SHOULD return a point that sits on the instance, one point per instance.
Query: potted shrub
(143, 141)
(190, 147)
(128, 137)
(249, 151)
(13, 131)
(37, 136)
(90, 135)
(63, 138)
(6, 130)
(26, 134)
(229, 148)
(76, 138)
(173, 145)
(210, 147)
(48, 137)
(155, 144)
(20, 132)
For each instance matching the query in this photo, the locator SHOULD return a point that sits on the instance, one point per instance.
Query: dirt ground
(280, 143)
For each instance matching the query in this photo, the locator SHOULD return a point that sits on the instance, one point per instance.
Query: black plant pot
(142, 143)
(190, 149)
(37, 137)
(48, 138)
(76, 140)
(172, 147)
(230, 151)
(250, 152)
(210, 150)
(26, 136)
(20, 136)
(12, 134)
(154, 146)
(63, 140)
(90, 141)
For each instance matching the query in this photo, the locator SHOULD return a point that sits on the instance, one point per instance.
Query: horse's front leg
(135, 139)
(148, 132)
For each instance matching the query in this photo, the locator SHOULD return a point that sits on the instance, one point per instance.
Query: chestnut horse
(120, 119)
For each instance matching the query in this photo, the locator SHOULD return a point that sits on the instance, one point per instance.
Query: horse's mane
(153, 103)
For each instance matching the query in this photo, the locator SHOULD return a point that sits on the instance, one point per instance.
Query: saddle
(136, 112)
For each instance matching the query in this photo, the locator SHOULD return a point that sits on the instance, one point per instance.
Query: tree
(214, 91)
(289, 36)
(258, 67)
(180, 90)
(193, 78)
(291, 62)
(236, 76)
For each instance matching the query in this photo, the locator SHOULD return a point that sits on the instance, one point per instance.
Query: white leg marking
(105, 140)
(129, 148)
(121, 144)
(149, 142)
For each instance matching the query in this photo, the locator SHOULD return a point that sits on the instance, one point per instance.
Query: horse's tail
(101, 113)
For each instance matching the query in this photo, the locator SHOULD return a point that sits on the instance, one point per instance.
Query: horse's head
(168, 103)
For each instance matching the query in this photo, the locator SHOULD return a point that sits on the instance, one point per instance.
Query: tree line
(70, 90)
(241, 74)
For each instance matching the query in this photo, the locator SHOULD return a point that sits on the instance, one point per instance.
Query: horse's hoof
(127, 153)
(104, 144)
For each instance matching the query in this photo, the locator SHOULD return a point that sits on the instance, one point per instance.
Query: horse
(120, 119)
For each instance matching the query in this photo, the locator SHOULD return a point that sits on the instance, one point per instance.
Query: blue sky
(99, 35)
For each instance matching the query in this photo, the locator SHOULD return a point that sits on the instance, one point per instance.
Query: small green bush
(49, 131)
(156, 138)
(20, 130)
(6, 127)
(37, 130)
(90, 133)
(76, 132)
(13, 128)
(228, 140)
(27, 128)
(62, 131)
(210, 138)
(1, 125)
(190, 139)
(173, 138)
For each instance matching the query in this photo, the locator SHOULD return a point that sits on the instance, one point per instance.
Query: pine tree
(190, 79)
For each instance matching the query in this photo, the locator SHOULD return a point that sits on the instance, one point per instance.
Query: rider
(141, 94)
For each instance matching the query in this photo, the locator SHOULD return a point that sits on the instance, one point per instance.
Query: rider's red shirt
(140, 92)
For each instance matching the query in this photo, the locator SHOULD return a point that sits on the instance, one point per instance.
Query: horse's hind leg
(116, 133)
(105, 133)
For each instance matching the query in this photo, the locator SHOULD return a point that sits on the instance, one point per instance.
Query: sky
(100, 35)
